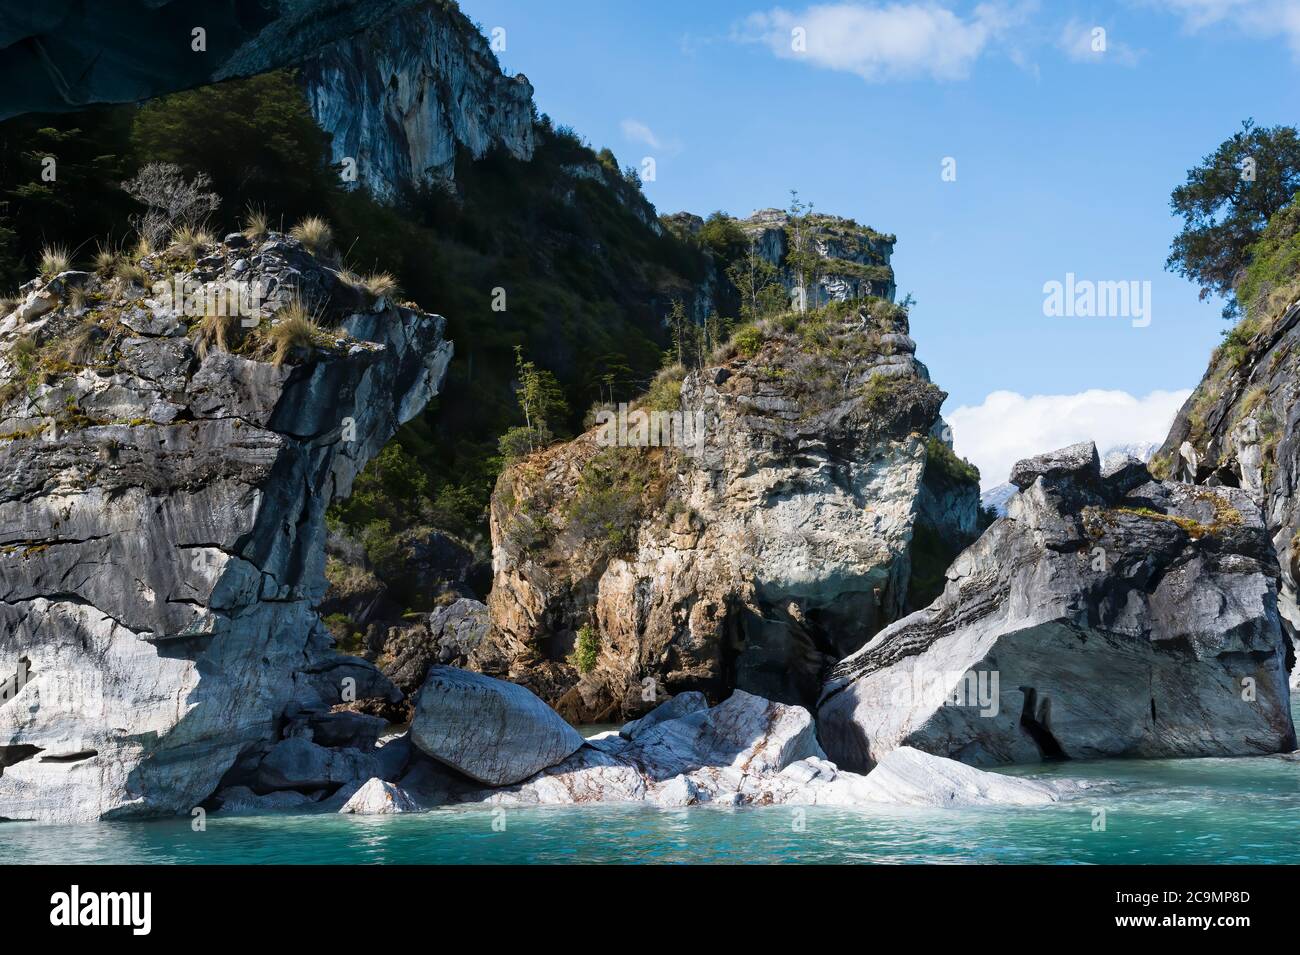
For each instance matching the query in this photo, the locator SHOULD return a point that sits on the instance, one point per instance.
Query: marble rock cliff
(774, 539)
(163, 485)
(1108, 614)
(1241, 428)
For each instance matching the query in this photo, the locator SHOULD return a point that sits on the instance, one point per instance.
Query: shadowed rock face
(754, 558)
(62, 55)
(162, 534)
(1120, 616)
(402, 99)
(1241, 428)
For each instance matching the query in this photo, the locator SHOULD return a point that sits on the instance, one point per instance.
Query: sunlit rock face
(1241, 428)
(1107, 614)
(162, 520)
(404, 98)
(755, 556)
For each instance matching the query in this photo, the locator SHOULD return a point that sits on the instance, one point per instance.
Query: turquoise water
(1159, 811)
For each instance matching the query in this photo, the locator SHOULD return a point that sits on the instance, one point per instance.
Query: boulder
(751, 751)
(1091, 622)
(490, 730)
(680, 705)
(300, 764)
(379, 798)
(1078, 461)
(909, 777)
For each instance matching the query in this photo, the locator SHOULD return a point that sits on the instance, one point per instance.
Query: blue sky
(1065, 158)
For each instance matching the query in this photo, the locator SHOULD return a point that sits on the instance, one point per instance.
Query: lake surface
(1244, 810)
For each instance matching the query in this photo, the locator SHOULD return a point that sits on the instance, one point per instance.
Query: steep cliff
(402, 100)
(763, 537)
(165, 465)
(1241, 428)
(854, 259)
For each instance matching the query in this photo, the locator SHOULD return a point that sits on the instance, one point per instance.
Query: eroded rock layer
(767, 545)
(163, 484)
(1107, 614)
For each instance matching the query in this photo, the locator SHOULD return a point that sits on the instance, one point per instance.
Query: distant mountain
(996, 498)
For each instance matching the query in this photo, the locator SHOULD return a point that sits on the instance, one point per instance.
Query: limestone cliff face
(855, 259)
(404, 97)
(1241, 428)
(774, 543)
(162, 534)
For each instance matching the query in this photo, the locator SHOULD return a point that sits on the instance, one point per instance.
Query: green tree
(801, 254)
(755, 279)
(1227, 202)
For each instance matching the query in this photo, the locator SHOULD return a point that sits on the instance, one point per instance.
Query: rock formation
(1241, 428)
(403, 99)
(766, 538)
(62, 55)
(855, 258)
(165, 465)
(746, 751)
(1107, 614)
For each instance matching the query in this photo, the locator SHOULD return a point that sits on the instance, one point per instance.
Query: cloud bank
(1008, 426)
(881, 42)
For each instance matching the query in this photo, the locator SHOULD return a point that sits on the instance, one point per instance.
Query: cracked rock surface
(1103, 616)
(162, 533)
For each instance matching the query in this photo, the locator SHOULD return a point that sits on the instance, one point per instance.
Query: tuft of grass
(80, 347)
(294, 329)
(142, 247)
(215, 331)
(255, 224)
(315, 234)
(191, 240)
(54, 259)
(130, 272)
(382, 285)
(106, 260)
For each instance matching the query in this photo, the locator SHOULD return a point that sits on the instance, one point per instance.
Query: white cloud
(1080, 42)
(1009, 426)
(879, 42)
(1261, 18)
(638, 132)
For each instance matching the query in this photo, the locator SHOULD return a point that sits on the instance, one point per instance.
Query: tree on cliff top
(1226, 203)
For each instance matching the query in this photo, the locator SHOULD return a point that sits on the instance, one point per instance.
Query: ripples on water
(1157, 811)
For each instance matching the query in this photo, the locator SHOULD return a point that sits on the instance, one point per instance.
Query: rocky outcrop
(403, 99)
(769, 539)
(163, 483)
(62, 55)
(855, 259)
(1107, 615)
(746, 751)
(1241, 428)
(492, 731)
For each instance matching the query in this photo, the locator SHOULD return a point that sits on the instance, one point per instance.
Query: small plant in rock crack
(586, 650)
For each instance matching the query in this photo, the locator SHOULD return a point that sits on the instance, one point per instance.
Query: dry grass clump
(294, 329)
(255, 224)
(54, 259)
(81, 345)
(315, 234)
(191, 239)
(382, 285)
(214, 331)
(130, 272)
